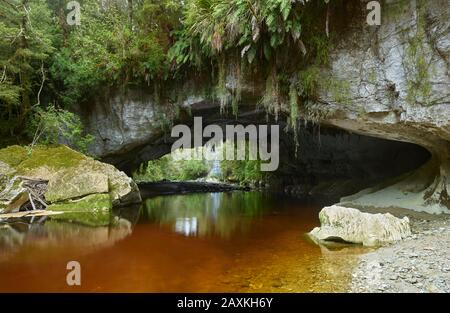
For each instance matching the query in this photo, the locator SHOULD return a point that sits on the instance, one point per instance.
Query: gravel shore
(420, 263)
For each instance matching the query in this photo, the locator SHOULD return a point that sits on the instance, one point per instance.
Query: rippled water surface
(212, 242)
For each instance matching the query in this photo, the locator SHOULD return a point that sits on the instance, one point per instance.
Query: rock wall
(391, 81)
(399, 89)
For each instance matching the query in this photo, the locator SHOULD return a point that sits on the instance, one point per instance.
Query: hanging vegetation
(46, 63)
(249, 39)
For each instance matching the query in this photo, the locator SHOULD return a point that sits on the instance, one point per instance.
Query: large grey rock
(66, 185)
(92, 177)
(339, 223)
(70, 175)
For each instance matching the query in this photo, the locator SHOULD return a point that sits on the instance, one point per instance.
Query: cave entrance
(334, 163)
(326, 164)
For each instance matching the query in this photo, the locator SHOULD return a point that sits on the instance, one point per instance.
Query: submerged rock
(350, 225)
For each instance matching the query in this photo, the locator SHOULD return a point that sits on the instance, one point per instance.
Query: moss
(416, 64)
(309, 82)
(93, 210)
(56, 157)
(321, 46)
(372, 77)
(393, 10)
(96, 202)
(272, 99)
(339, 89)
(293, 103)
(221, 92)
(13, 155)
(323, 218)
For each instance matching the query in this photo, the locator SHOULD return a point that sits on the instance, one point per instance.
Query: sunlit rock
(66, 185)
(350, 225)
(12, 196)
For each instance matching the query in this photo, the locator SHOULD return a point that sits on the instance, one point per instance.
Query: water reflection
(75, 229)
(186, 226)
(235, 242)
(218, 214)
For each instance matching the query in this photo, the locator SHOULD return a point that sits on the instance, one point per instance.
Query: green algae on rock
(92, 210)
(70, 175)
(68, 186)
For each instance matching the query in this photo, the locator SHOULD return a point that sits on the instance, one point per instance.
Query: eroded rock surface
(350, 225)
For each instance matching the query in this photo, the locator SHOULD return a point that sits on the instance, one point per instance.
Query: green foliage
(309, 81)
(52, 125)
(244, 172)
(272, 99)
(26, 43)
(44, 61)
(320, 45)
(255, 26)
(255, 33)
(107, 48)
(192, 169)
(168, 168)
(417, 64)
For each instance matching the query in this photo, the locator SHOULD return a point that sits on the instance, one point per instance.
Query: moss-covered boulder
(68, 186)
(74, 180)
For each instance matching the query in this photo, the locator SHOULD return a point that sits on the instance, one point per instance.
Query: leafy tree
(26, 43)
(168, 168)
(46, 64)
(121, 43)
(244, 172)
(54, 125)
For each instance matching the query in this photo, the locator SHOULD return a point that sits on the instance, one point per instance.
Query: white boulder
(350, 225)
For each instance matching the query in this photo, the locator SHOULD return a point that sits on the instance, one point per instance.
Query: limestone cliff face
(398, 75)
(392, 82)
(399, 89)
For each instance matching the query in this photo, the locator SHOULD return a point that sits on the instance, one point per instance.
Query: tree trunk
(24, 74)
(130, 14)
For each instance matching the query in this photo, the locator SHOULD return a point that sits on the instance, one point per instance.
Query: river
(208, 242)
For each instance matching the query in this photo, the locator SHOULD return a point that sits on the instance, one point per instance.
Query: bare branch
(3, 75)
(31, 201)
(17, 36)
(42, 84)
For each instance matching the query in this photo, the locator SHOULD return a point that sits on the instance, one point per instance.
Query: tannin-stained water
(211, 242)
